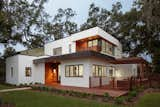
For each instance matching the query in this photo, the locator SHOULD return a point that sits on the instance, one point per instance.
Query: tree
(62, 25)
(107, 20)
(9, 51)
(22, 22)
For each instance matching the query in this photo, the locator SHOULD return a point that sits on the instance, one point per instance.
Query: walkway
(15, 89)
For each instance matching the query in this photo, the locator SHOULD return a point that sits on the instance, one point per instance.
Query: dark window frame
(98, 72)
(77, 72)
(28, 71)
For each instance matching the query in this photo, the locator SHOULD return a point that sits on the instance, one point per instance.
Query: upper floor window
(28, 71)
(57, 51)
(107, 47)
(74, 70)
(92, 43)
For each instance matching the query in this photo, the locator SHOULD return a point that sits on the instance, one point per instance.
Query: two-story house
(86, 59)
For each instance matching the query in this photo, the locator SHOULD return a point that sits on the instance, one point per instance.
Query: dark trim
(81, 54)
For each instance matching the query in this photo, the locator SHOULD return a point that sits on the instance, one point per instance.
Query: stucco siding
(75, 81)
(12, 62)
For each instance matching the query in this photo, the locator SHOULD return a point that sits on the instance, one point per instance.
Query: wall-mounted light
(54, 70)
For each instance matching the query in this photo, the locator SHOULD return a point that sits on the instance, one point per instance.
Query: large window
(57, 51)
(28, 72)
(92, 43)
(107, 47)
(99, 70)
(74, 70)
(111, 71)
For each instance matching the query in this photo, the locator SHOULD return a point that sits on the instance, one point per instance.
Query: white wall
(12, 62)
(19, 63)
(64, 43)
(75, 81)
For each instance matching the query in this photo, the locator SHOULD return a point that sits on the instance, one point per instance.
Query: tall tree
(62, 24)
(22, 22)
(103, 18)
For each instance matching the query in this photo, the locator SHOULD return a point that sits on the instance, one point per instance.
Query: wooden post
(89, 82)
(100, 81)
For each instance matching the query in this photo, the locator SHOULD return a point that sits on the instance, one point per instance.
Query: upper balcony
(96, 43)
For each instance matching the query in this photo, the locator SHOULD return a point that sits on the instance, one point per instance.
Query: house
(90, 58)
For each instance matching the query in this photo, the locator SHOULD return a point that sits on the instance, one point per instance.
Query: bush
(132, 93)
(120, 100)
(106, 96)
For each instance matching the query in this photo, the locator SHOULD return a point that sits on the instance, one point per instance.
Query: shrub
(120, 100)
(106, 96)
(93, 96)
(132, 93)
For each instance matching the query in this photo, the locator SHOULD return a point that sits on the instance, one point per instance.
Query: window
(99, 70)
(11, 71)
(111, 71)
(28, 71)
(92, 43)
(74, 70)
(107, 47)
(57, 51)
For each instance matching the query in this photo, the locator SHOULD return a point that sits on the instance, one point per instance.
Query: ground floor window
(28, 71)
(99, 70)
(74, 70)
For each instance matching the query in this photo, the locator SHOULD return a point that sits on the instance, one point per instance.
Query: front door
(51, 73)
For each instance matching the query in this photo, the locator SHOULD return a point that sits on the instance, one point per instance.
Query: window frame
(75, 72)
(98, 70)
(29, 74)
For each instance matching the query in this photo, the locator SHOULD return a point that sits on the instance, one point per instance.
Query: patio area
(96, 91)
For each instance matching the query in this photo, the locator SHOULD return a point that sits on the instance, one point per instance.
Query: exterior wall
(39, 73)
(12, 62)
(75, 81)
(19, 62)
(65, 42)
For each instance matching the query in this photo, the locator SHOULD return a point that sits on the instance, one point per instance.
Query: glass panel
(71, 71)
(95, 42)
(89, 43)
(103, 46)
(75, 73)
(67, 71)
(94, 71)
(80, 70)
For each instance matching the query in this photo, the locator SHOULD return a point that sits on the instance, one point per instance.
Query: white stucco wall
(75, 81)
(19, 62)
(12, 62)
(64, 43)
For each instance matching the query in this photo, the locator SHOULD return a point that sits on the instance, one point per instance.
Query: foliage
(9, 51)
(120, 100)
(22, 22)
(62, 25)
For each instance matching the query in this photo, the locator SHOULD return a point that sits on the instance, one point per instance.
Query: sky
(81, 7)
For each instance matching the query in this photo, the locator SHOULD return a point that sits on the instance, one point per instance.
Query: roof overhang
(130, 60)
(82, 54)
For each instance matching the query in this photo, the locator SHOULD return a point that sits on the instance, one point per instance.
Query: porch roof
(81, 54)
(130, 60)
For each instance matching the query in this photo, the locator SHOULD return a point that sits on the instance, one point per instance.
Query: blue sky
(81, 8)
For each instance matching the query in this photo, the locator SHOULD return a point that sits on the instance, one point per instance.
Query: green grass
(4, 86)
(149, 100)
(44, 99)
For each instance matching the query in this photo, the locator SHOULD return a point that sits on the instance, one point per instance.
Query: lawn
(4, 86)
(44, 99)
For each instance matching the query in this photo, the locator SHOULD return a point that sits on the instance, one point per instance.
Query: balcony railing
(95, 48)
